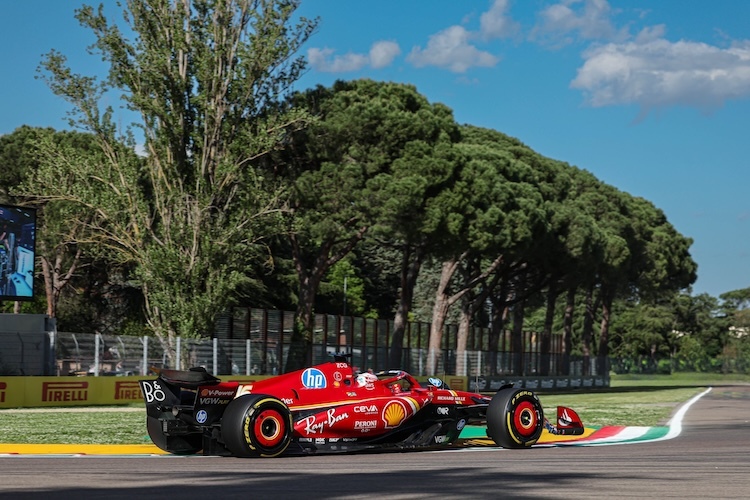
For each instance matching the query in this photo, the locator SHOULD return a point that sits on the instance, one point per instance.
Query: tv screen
(17, 247)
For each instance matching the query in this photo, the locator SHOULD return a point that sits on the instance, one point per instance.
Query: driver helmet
(366, 378)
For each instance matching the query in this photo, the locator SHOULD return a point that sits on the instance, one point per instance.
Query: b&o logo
(152, 391)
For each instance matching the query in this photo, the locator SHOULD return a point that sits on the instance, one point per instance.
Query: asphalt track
(703, 453)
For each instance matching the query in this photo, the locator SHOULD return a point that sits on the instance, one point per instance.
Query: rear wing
(175, 387)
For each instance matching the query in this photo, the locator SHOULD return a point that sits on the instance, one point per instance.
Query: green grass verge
(631, 400)
(66, 425)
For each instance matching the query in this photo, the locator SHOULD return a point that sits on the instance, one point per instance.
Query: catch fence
(252, 341)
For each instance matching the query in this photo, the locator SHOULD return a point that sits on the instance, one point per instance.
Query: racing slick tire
(515, 418)
(187, 444)
(257, 425)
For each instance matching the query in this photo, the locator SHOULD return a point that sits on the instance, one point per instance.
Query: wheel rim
(269, 428)
(525, 419)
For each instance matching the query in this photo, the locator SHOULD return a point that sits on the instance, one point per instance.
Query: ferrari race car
(333, 408)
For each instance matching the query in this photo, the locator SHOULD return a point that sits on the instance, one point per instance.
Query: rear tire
(256, 425)
(515, 418)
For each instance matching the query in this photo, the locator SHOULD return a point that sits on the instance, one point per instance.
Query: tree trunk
(603, 351)
(410, 265)
(439, 312)
(300, 348)
(567, 344)
(310, 276)
(498, 316)
(462, 338)
(54, 279)
(546, 340)
(588, 325)
(517, 339)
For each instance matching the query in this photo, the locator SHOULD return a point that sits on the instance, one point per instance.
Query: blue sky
(652, 97)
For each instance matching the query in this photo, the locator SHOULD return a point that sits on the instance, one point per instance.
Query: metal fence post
(178, 353)
(247, 357)
(144, 363)
(216, 356)
(97, 342)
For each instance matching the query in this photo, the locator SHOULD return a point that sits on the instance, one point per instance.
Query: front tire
(515, 418)
(255, 425)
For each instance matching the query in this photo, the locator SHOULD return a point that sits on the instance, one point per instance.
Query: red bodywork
(325, 409)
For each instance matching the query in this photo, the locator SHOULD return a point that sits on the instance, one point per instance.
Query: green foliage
(344, 290)
(246, 194)
(206, 82)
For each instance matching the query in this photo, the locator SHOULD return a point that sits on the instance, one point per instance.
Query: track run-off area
(474, 437)
(703, 452)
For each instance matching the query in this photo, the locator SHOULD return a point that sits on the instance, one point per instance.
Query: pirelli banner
(30, 392)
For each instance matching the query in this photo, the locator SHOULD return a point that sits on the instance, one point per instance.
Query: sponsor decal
(217, 393)
(456, 399)
(287, 401)
(3, 386)
(212, 401)
(128, 390)
(460, 424)
(312, 378)
(305, 440)
(349, 440)
(244, 389)
(65, 391)
(365, 424)
(520, 395)
(435, 381)
(394, 413)
(341, 365)
(367, 409)
(351, 394)
(337, 376)
(152, 391)
(320, 441)
(333, 440)
(442, 410)
(314, 425)
(201, 416)
(441, 439)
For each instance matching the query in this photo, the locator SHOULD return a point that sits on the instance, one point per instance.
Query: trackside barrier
(492, 384)
(32, 392)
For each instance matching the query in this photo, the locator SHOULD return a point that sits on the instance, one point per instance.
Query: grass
(637, 400)
(630, 400)
(71, 425)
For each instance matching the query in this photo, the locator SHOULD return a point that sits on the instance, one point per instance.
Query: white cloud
(654, 72)
(568, 20)
(451, 49)
(383, 53)
(324, 61)
(495, 23)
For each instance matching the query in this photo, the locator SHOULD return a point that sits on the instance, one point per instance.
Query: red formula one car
(333, 408)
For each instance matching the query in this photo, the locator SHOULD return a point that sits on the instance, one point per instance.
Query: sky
(651, 96)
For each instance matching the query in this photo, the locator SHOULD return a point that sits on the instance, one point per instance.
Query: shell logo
(394, 414)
